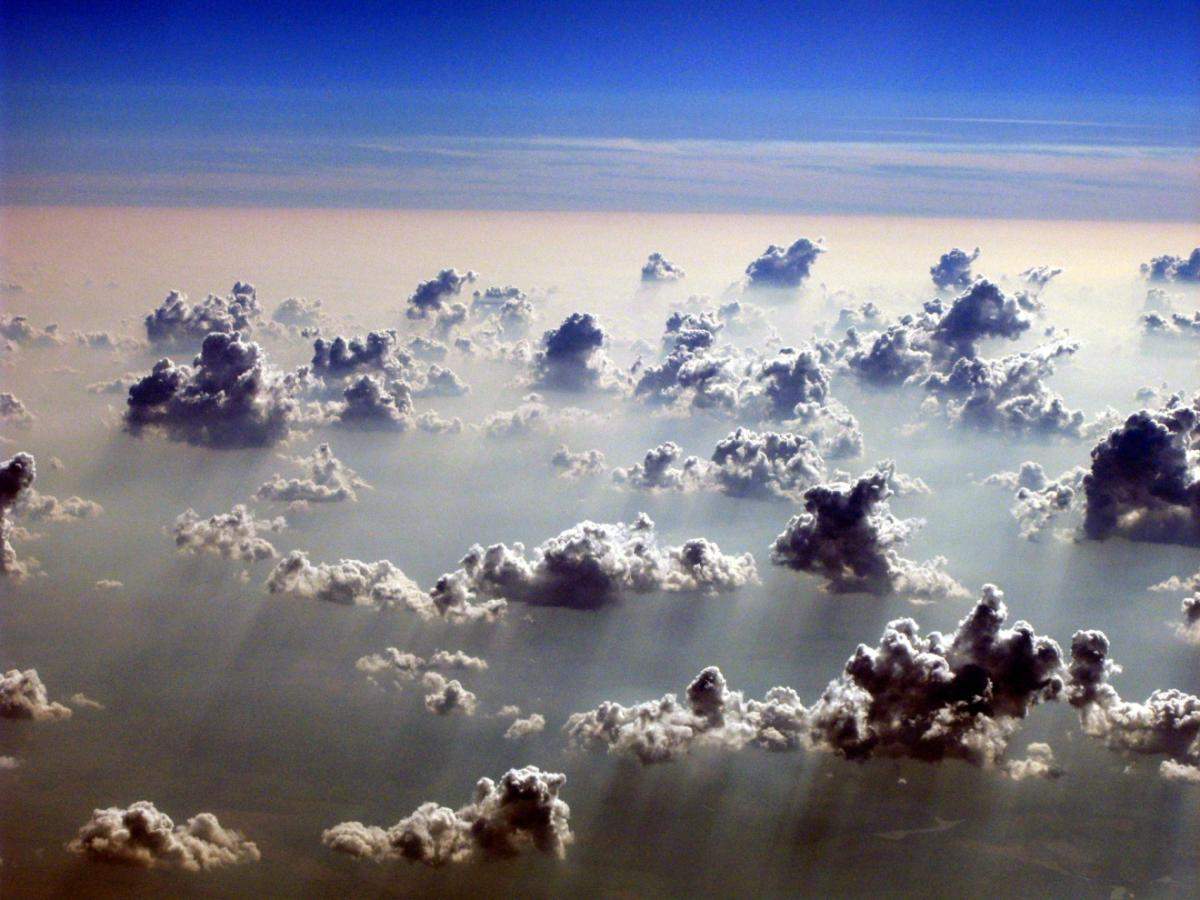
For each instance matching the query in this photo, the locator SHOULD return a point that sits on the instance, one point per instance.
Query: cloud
(572, 358)
(229, 397)
(983, 311)
(659, 269)
(848, 535)
(896, 355)
(430, 296)
(1173, 268)
(592, 564)
(783, 268)
(523, 727)
(1039, 500)
(179, 323)
(140, 835)
(1166, 724)
(1143, 483)
(521, 813)
(23, 696)
(1040, 763)
(17, 475)
(399, 666)
(17, 331)
(14, 412)
(746, 463)
(953, 269)
(656, 472)
(343, 357)
(233, 535)
(381, 584)
(1173, 325)
(1189, 629)
(328, 480)
(1037, 277)
(447, 696)
(298, 312)
(577, 465)
(692, 330)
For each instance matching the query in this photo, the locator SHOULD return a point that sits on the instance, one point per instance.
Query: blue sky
(100, 100)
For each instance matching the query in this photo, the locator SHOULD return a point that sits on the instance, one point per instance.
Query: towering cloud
(17, 475)
(430, 296)
(23, 696)
(1143, 481)
(177, 322)
(521, 813)
(228, 397)
(848, 535)
(140, 835)
(592, 564)
(571, 358)
(1166, 724)
(953, 269)
(783, 268)
(658, 269)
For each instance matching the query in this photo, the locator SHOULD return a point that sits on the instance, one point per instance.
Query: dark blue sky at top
(503, 65)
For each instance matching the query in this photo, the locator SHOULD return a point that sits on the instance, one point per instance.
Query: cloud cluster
(953, 269)
(592, 564)
(1143, 482)
(1166, 724)
(849, 536)
(180, 323)
(23, 696)
(783, 268)
(140, 835)
(228, 397)
(327, 480)
(521, 813)
(659, 269)
(232, 535)
(431, 296)
(1173, 268)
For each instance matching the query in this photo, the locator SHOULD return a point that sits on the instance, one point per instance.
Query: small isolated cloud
(327, 480)
(953, 270)
(233, 535)
(397, 667)
(1039, 763)
(431, 296)
(660, 269)
(577, 465)
(447, 695)
(23, 696)
(983, 311)
(140, 835)
(522, 813)
(13, 412)
(848, 535)
(298, 312)
(783, 268)
(523, 727)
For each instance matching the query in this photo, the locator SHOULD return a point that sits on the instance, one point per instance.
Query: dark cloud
(233, 535)
(694, 331)
(1142, 483)
(848, 535)
(17, 475)
(1166, 724)
(1189, 629)
(521, 813)
(23, 696)
(229, 397)
(953, 269)
(447, 695)
(572, 358)
(140, 835)
(984, 311)
(658, 269)
(1174, 268)
(593, 564)
(783, 268)
(430, 296)
(1171, 325)
(342, 357)
(177, 322)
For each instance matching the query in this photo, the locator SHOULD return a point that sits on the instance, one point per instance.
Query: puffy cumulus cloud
(447, 695)
(531, 416)
(657, 472)
(579, 464)
(521, 813)
(983, 311)
(864, 317)
(1039, 763)
(396, 667)
(1008, 394)
(658, 269)
(1031, 475)
(1189, 629)
(849, 536)
(427, 348)
(23, 696)
(178, 322)
(36, 507)
(953, 269)
(1171, 325)
(327, 480)
(14, 412)
(692, 330)
(343, 357)
(1173, 268)
(747, 463)
(1166, 724)
(523, 727)
(18, 331)
(896, 355)
(371, 403)
(17, 475)
(233, 535)
(1143, 483)
(228, 397)
(441, 382)
(140, 835)
(381, 584)
(1039, 499)
(783, 268)
(298, 312)
(1037, 277)
(592, 564)
(432, 295)
(494, 298)
(571, 357)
